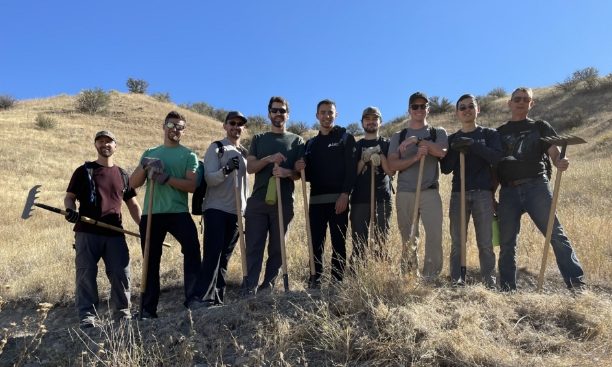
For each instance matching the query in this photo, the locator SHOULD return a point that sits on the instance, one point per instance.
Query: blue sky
(236, 54)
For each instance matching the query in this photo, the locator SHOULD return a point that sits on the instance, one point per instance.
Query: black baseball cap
(416, 96)
(234, 114)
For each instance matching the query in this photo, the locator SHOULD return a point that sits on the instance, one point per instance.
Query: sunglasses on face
(518, 99)
(416, 106)
(234, 123)
(464, 107)
(172, 125)
(282, 111)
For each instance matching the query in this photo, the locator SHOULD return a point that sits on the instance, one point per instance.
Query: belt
(521, 181)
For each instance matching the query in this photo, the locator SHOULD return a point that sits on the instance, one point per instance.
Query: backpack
(197, 200)
(93, 197)
(545, 156)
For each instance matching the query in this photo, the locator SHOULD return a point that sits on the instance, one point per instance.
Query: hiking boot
(89, 322)
(146, 315)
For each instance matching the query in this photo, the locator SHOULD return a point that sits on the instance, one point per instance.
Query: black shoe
(146, 315)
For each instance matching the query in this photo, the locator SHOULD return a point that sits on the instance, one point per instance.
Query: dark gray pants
(113, 250)
(360, 221)
(261, 222)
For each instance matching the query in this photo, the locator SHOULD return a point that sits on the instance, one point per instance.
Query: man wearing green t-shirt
(276, 147)
(172, 167)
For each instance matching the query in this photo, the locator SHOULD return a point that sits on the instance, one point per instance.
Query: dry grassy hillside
(375, 318)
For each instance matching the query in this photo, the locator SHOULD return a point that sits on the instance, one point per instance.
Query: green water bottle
(271, 193)
(495, 230)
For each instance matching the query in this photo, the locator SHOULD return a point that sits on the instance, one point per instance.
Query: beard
(370, 129)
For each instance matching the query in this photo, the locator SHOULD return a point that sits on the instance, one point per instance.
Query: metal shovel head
(29, 204)
(563, 139)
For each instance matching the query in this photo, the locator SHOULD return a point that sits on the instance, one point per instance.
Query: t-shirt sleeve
(253, 147)
(394, 143)
(76, 185)
(192, 162)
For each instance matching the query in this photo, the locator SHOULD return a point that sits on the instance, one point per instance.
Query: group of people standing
(340, 171)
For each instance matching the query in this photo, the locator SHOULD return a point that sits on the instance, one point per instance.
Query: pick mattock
(313, 272)
(147, 247)
(240, 228)
(31, 202)
(372, 226)
(462, 216)
(563, 141)
(410, 249)
(281, 231)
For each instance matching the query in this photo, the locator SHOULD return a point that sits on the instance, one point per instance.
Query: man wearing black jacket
(331, 168)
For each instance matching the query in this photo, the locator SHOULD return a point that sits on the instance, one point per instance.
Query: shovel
(313, 272)
(240, 229)
(410, 248)
(281, 232)
(563, 141)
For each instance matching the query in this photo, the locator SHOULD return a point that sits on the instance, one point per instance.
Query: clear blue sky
(236, 54)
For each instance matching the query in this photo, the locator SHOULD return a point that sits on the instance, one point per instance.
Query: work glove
(462, 144)
(72, 215)
(375, 158)
(148, 163)
(160, 177)
(231, 165)
(367, 153)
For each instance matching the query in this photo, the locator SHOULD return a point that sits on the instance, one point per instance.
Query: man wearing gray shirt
(407, 147)
(221, 160)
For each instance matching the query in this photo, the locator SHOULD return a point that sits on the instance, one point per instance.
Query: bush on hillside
(297, 127)
(92, 101)
(587, 76)
(162, 97)
(6, 102)
(205, 109)
(45, 122)
(485, 102)
(498, 92)
(138, 86)
(440, 105)
(354, 128)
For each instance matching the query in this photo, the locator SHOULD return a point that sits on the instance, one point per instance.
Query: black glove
(72, 216)
(231, 165)
(152, 163)
(462, 144)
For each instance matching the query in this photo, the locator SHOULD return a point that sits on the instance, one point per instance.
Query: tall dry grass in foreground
(376, 317)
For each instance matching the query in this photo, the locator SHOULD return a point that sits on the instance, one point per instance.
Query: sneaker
(89, 322)
(458, 283)
(146, 315)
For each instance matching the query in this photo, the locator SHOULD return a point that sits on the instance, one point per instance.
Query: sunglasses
(234, 123)
(172, 125)
(464, 107)
(416, 106)
(519, 99)
(278, 110)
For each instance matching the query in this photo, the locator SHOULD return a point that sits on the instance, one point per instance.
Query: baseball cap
(417, 95)
(371, 110)
(105, 133)
(234, 114)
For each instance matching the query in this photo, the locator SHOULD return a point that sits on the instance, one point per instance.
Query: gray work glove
(367, 153)
(375, 159)
(462, 144)
(160, 177)
(148, 163)
(231, 165)
(72, 215)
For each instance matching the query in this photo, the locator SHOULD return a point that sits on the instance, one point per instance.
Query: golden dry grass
(376, 318)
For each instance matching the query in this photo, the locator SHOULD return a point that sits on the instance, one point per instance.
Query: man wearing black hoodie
(331, 167)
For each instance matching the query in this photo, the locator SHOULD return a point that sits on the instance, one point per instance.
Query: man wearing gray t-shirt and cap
(224, 162)
(417, 141)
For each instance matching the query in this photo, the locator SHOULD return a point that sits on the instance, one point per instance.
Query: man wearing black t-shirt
(371, 152)
(524, 188)
(99, 187)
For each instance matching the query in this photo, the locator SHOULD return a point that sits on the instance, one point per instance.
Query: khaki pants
(430, 212)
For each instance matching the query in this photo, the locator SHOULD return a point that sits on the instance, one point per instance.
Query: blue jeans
(534, 198)
(478, 204)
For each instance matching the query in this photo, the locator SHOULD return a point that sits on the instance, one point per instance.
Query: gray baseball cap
(106, 133)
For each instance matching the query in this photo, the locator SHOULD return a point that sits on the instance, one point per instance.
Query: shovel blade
(563, 139)
(29, 204)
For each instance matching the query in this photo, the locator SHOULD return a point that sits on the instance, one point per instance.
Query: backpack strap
(92, 184)
(220, 148)
(433, 134)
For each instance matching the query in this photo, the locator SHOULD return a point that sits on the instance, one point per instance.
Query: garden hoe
(240, 229)
(31, 202)
(313, 274)
(563, 141)
(409, 250)
(281, 231)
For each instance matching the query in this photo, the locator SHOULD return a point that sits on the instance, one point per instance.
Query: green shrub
(6, 102)
(162, 97)
(45, 122)
(354, 128)
(92, 101)
(138, 86)
(440, 105)
(498, 92)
